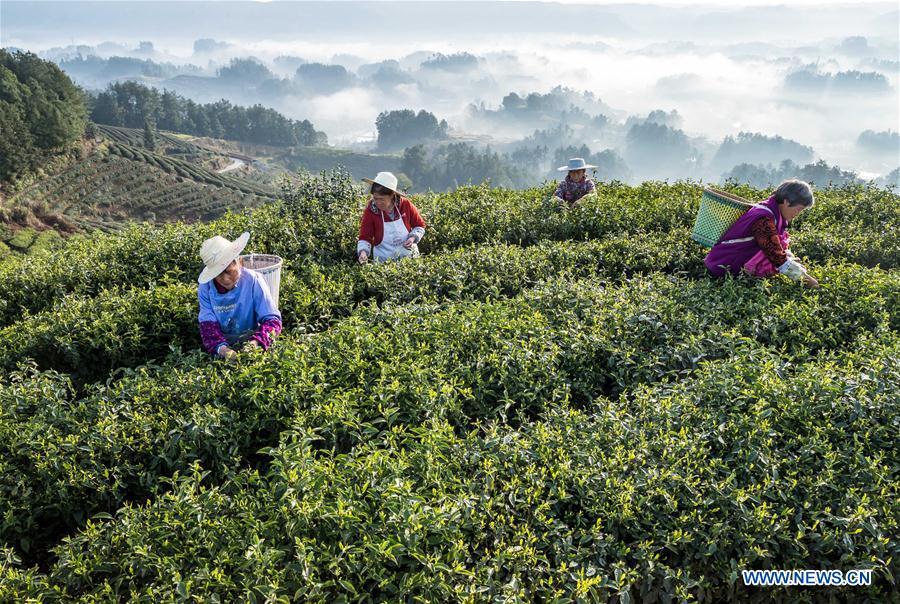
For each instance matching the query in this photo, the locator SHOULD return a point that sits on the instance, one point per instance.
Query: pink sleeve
(211, 335)
(366, 227)
(267, 331)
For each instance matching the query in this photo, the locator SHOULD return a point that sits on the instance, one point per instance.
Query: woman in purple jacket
(758, 242)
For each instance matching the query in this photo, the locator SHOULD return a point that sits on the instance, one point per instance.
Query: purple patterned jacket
(738, 245)
(571, 191)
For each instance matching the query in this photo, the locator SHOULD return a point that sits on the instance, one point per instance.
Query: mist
(815, 78)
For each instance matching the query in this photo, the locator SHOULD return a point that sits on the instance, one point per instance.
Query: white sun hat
(576, 163)
(217, 253)
(385, 179)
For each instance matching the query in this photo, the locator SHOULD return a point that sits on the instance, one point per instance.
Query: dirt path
(235, 164)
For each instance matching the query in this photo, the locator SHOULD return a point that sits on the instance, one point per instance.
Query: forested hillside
(42, 113)
(131, 104)
(62, 174)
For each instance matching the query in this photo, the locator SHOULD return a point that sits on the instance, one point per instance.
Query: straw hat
(385, 179)
(217, 253)
(576, 163)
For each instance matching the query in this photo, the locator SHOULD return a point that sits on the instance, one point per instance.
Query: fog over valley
(643, 91)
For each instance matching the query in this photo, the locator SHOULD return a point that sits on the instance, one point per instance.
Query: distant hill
(360, 165)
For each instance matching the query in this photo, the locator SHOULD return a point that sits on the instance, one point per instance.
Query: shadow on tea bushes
(666, 492)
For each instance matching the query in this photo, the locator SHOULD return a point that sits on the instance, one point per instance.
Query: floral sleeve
(211, 335)
(267, 331)
(766, 237)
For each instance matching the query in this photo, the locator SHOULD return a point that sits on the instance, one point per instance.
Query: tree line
(131, 105)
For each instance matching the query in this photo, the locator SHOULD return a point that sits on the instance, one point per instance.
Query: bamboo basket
(718, 211)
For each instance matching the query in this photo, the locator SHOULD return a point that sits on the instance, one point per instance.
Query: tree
(402, 128)
(752, 148)
(455, 164)
(317, 78)
(42, 113)
(457, 62)
(819, 173)
(171, 113)
(657, 151)
(149, 137)
(132, 104)
(512, 102)
(415, 164)
(107, 111)
(246, 71)
(887, 141)
(127, 104)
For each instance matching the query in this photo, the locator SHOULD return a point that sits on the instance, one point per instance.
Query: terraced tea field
(124, 183)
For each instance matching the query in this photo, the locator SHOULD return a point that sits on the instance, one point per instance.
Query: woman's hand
(809, 281)
(227, 353)
(363, 257)
(409, 242)
(250, 346)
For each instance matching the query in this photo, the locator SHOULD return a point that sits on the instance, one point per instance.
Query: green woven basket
(718, 211)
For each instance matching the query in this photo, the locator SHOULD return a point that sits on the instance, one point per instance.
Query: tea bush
(90, 336)
(666, 492)
(472, 215)
(562, 343)
(547, 406)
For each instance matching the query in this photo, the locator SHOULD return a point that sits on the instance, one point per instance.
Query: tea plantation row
(853, 223)
(108, 191)
(89, 336)
(67, 457)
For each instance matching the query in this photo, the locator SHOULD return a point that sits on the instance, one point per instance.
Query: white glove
(792, 269)
(227, 353)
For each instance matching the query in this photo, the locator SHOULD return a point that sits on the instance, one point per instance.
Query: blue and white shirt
(240, 310)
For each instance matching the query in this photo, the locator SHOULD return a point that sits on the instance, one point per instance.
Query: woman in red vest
(390, 227)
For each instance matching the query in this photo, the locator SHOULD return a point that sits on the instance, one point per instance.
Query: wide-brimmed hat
(385, 179)
(217, 253)
(576, 163)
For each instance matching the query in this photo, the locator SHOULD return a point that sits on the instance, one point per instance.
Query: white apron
(391, 246)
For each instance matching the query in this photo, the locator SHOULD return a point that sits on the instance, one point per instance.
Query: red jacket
(371, 226)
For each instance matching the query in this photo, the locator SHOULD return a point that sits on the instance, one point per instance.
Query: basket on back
(718, 211)
(269, 267)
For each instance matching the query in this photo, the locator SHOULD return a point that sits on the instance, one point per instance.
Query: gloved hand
(227, 353)
(796, 272)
